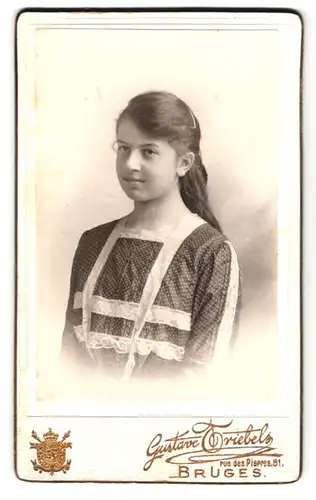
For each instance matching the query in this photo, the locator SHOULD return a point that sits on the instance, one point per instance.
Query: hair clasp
(193, 119)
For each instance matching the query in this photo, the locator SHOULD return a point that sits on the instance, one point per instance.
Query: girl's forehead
(129, 132)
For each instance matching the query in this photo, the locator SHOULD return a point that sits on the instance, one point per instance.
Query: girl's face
(147, 168)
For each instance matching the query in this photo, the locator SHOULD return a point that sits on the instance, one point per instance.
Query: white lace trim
(159, 235)
(143, 234)
(130, 310)
(226, 327)
(151, 288)
(79, 333)
(93, 277)
(171, 317)
(124, 345)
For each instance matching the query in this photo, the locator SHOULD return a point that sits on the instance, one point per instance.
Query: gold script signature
(209, 442)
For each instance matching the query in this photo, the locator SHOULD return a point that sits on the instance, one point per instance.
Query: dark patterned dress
(146, 304)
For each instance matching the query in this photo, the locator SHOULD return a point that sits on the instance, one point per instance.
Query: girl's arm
(216, 307)
(72, 350)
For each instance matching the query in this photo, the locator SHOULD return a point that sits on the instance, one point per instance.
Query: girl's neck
(168, 210)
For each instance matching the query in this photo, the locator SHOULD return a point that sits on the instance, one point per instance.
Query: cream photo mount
(156, 422)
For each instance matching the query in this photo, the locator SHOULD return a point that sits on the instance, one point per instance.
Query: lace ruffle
(123, 345)
(130, 310)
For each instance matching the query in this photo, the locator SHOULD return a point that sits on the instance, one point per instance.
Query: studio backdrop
(231, 80)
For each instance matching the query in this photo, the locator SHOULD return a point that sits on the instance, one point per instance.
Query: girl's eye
(148, 152)
(122, 148)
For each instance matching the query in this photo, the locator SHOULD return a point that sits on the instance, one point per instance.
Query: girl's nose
(133, 161)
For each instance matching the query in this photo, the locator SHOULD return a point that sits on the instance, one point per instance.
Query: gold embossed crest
(51, 453)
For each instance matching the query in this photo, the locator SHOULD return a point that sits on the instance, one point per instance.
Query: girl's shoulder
(97, 234)
(205, 236)
(206, 242)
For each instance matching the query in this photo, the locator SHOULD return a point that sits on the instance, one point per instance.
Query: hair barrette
(193, 119)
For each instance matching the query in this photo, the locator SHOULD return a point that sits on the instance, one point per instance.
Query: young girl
(156, 293)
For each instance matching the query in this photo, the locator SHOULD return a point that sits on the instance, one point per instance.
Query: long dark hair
(162, 115)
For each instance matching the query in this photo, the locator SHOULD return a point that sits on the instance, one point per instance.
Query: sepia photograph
(159, 215)
(157, 292)
(164, 167)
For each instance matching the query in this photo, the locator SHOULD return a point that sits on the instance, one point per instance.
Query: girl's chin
(140, 197)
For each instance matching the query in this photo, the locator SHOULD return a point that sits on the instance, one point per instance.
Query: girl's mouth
(133, 180)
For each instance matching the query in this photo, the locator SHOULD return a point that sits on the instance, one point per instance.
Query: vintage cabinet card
(158, 267)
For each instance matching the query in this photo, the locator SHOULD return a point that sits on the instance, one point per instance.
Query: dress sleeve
(71, 349)
(216, 306)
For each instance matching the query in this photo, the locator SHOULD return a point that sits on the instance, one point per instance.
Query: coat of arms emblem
(51, 453)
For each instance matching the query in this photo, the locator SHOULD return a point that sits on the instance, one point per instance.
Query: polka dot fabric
(126, 270)
(197, 282)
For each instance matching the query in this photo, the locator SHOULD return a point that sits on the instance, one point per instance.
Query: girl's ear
(185, 162)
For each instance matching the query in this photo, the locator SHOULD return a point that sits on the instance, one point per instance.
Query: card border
(301, 199)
